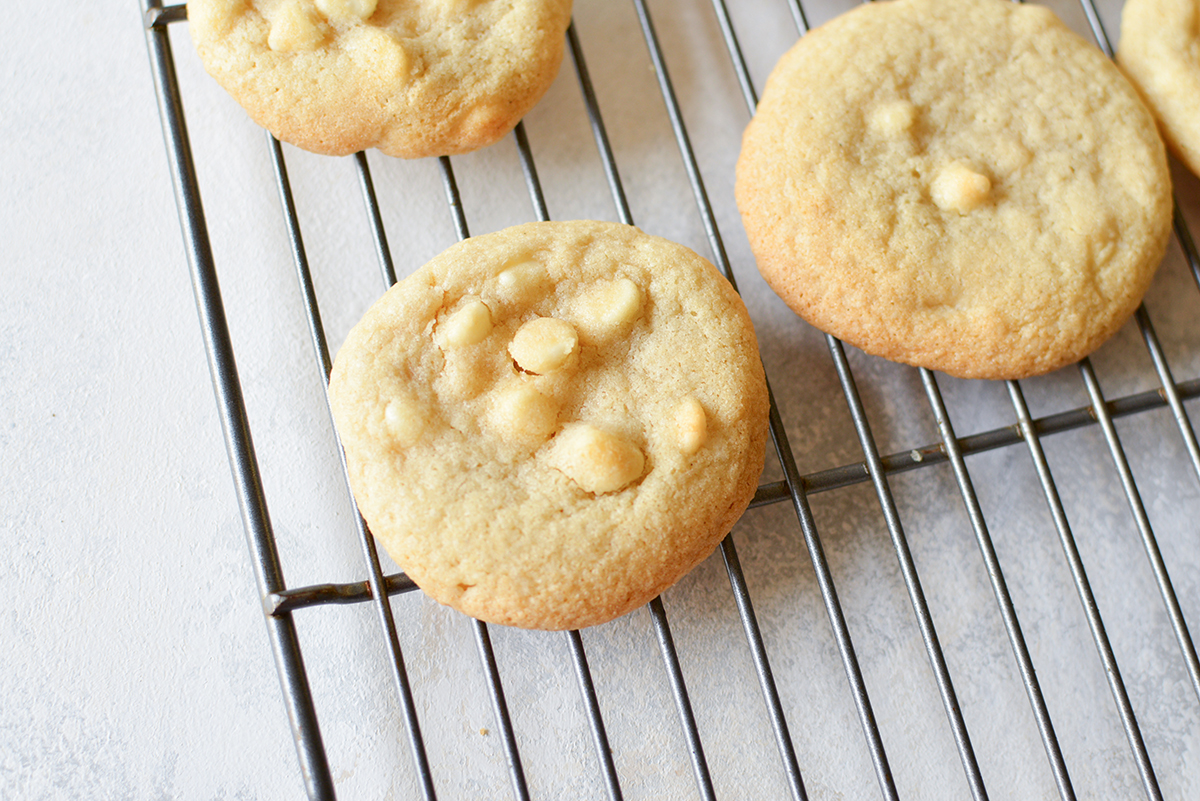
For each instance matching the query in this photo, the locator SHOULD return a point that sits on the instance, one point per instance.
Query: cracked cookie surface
(412, 78)
(966, 186)
(548, 426)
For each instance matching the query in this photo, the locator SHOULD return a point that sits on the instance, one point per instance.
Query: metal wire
(684, 705)
(378, 234)
(1170, 389)
(1150, 338)
(1149, 542)
(583, 674)
(766, 679)
(935, 453)
(835, 478)
(1099, 634)
(587, 689)
(516, 772)
(657, 613)
(796, 489)
(239, 445)
(721, 259)
(1184, 235)
(598, 131)
(482, 638)
(909, 570)
(908, 567)
(1008, 611)
(877, 474)
(376, 583)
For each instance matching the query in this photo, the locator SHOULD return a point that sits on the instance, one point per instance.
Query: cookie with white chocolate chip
(966, 186)
(412, 78)
(549, 425)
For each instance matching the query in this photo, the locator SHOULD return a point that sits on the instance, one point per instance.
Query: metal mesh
(285, 606)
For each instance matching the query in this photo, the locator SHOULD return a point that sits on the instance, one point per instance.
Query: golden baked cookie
(1160, 52)
(413, 78)
(549, 425)
(966, 186)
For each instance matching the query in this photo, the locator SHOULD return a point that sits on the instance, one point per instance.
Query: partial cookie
(413, 78)
(967, 186)
(548, 426)
(1160, 52)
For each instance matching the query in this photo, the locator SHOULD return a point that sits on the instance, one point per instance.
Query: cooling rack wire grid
(944, 588)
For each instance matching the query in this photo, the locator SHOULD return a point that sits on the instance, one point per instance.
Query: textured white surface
(135, 661)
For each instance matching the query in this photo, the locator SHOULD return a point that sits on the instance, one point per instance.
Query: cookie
(1159, 51)
(412, 78)
(549, 425)
(966, 186)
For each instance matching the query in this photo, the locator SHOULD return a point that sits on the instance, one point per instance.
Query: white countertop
(135, 659)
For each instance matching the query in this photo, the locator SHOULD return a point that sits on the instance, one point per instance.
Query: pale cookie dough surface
(966, 186)
(1160, 52)
(548, 426)
(413, 78)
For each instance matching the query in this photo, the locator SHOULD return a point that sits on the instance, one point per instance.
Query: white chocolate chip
(346, 10)
(377, 53)
(543, 345)
(404, 422)
(295, 27)
(471, 323)
(521, 414)
(959, 188)
(892, 118)
(216, 18)
(691, 425)
(594, 459)
(610, 306)
(521, 280)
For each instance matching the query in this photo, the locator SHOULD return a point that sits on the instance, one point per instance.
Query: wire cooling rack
(995, 602)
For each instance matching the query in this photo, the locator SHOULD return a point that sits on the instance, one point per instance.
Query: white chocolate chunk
(405, 423)
(611, 305)
(216, 18)
(892, 118)
(469, 324)
(521, 280)
(959, 188)
(691, 425)
(594, 459)
(519, 413)
(377, 53)
(295, 27)
(543, 345)
(346, 10)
